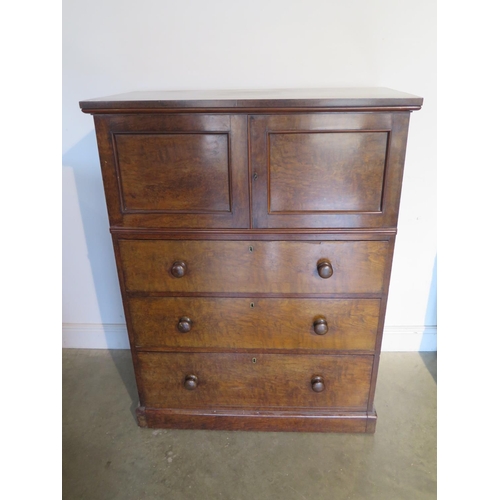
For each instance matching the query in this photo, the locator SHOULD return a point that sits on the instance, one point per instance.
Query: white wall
(122, 45)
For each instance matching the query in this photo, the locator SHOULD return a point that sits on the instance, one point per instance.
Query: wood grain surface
(175, 171)
(253, 233)
(326, 172)
(255, 380)
(254, 323)
(178, 172)
(262, 420)
(266, 266)
(253, 99)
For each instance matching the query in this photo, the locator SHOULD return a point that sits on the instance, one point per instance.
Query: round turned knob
(320, 326)
(318, 384)
(325, 269)
(179, 269)
(191, 382)
(184, 324)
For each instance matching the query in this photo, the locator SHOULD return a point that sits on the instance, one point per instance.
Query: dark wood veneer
(254, 233)
(347, 183)
(254, 323)
(339, 166)
(247, 420)
(173, 173)
(270, 100)
(253, 267)
(236, 380)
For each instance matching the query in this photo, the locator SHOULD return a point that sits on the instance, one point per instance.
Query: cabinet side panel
(381, 323)
(128, 319)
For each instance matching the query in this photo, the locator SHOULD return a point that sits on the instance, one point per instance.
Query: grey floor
(106, 456)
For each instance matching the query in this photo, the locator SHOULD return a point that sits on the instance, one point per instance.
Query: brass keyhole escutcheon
(252, 305)
(254, 360)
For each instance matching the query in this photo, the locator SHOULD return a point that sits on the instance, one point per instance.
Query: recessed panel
(327, 171)
(173, 172)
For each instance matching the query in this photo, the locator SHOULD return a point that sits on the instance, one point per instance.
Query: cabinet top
(190, 100)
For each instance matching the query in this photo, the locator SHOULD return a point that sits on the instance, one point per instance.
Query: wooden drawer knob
(184, 324)
(318, 384)
(179, 269)
(191, 382)
(325, 269)
(320, 326)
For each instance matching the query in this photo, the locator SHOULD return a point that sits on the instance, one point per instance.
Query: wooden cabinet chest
(253, 234)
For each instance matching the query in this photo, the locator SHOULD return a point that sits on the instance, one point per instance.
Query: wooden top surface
(375, 97)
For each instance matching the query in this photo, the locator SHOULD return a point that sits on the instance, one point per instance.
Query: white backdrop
(119, 46)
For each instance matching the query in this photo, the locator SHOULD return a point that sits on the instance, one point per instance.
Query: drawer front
(254, 323)
(254, 380)
(174, 170)
(327, 170)
(255, 267)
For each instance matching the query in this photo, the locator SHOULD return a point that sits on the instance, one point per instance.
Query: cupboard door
(175, 171)
(332, 170)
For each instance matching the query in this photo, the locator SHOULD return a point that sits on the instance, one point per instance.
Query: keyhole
(254, 360)
(252, 305)
(250, 249)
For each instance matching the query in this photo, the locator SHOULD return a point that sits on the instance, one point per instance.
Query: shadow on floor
(430, 362)
(83, 159)
(122, 359)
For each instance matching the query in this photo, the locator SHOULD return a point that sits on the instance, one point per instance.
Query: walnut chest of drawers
(253, 234)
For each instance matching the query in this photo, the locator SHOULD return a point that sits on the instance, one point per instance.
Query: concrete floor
(106, 456)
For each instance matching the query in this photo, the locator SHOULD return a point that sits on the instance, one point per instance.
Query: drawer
(197, 380)
(254, 323)
(254, 267)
